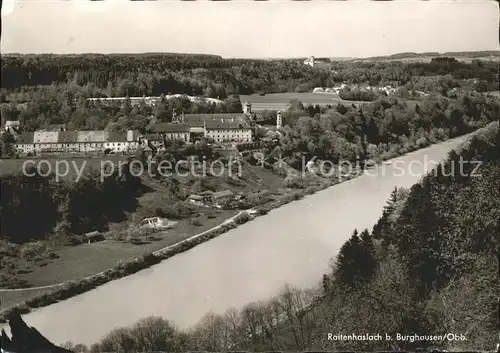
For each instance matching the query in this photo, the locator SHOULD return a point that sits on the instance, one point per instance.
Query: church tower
(279, 121)
(247, 108)
(175, 119)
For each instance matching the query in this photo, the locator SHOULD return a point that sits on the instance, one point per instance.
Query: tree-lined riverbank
(241, 267)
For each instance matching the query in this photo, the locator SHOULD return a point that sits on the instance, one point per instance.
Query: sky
(243, 28)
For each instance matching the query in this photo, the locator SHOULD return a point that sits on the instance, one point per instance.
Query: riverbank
(73, 288)
(46, 295)
(292, 245)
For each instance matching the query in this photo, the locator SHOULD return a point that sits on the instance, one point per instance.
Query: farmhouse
(196, 199)
(76, 142)
(200, 199)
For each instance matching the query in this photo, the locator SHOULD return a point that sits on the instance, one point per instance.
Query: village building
(222, 128)
(153, 142)
(76, 142)
(309, 61)
(92, 237)
(134, 101)
(200, 199)
(229, 130)
(220, 198)
(12, 125)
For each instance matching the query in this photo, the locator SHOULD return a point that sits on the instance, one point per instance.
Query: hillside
(437, 258)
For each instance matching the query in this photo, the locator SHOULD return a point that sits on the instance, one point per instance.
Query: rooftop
(198, 120)
(219, 194)
(227, 124)
(53, 127)
(25, 137)
(169, 127)
(80, 136)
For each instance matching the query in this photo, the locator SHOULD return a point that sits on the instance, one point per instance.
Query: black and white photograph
(249, 176)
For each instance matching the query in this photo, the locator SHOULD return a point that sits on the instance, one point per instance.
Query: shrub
(36, 251)
(263, 211)
(242, 218)
(294, 181)
(196, 222)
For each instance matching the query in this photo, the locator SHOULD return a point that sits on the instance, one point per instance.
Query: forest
(213, 76)
(38, 90)
(433, 249)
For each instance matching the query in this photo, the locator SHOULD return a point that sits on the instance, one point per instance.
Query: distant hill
(152, 54)
(426, 55)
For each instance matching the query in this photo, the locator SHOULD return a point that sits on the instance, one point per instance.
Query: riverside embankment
(293, 244)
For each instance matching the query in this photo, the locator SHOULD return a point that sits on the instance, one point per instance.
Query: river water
(292, 244)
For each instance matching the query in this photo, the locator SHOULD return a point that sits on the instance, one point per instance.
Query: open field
(15, 166)
(280, 101)
(76, 262)
(427, 59)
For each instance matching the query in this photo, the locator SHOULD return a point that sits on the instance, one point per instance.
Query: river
(292, 244)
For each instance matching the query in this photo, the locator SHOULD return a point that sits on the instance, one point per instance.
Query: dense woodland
(428, 267)
(51, 89)
(121, 75)
(64, 207)
(381, 129)
(431, 252)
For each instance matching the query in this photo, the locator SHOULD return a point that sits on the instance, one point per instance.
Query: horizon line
(430, 53)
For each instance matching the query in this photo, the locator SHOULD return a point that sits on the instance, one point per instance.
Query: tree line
(35, 206)
(154, 74)
(64, 105)
(381, 129)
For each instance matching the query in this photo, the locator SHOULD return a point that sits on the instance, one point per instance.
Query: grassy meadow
(15, 166)
(279, 101)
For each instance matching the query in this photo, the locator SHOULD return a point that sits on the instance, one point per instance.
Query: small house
(196, 199)
(206, 193)
(222, 197)
(92, 237)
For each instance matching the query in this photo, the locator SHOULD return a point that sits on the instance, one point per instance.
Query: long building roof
(227, 125)
(169, 127)
(76, 136)
(198, 120)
